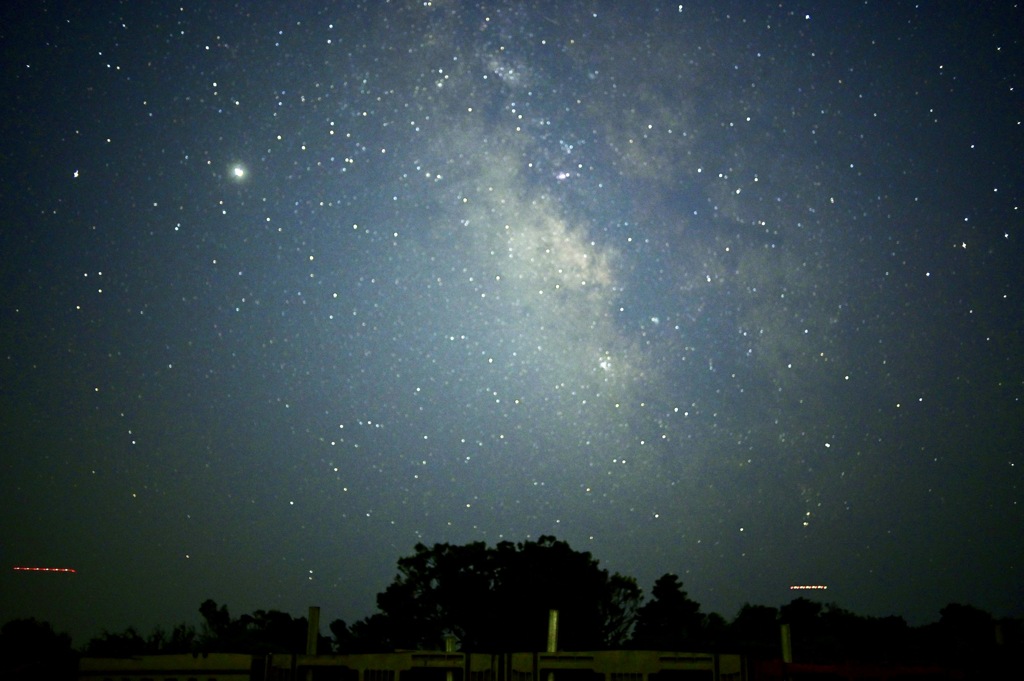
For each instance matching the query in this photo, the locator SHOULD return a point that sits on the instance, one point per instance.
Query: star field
(730, 291)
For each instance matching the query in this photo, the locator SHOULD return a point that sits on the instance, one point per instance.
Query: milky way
(725, 292)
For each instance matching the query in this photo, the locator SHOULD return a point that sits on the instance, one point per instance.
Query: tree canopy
(670, 620)
(497, 599)
(30, 649)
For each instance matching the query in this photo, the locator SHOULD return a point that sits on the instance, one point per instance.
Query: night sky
(729, 290)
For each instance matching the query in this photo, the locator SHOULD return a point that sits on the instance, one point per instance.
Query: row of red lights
(808, 586)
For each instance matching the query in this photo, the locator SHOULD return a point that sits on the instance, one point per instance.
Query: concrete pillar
(552, 637)
(552, 631)
(787, 644)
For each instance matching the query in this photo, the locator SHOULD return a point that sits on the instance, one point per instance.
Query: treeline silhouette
(496, 599)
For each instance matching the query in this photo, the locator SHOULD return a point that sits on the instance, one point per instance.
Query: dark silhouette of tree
(182, 639)
(30, 649)
(117, 644)
(715, 631)
(497, 599)
(342, 640)
(755, 631)
(889, 637)
(967, 627)
(596, 610)
(619, 611)
(843, 635)
(670, 620)
(962, 634)
(263, 631)
(273, 631)
(801, 613)
(217, 625)
(830, 634)
(377, 634)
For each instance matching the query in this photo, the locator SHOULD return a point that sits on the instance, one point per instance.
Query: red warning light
(35, 568)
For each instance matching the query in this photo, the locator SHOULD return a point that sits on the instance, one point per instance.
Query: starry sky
(731, 290)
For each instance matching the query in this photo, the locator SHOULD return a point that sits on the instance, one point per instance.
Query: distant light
(808, 587)
(238, 172)
(33, 568)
